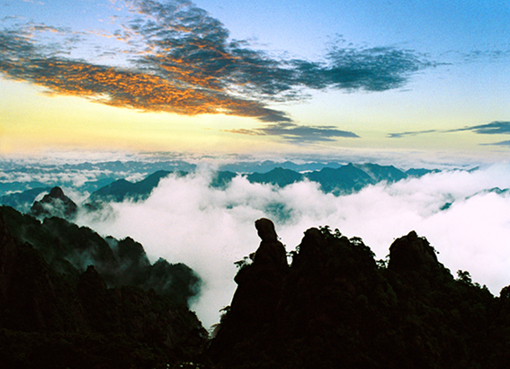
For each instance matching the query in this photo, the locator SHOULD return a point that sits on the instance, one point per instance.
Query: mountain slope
(345, 179)
(22, 201)
(70, 249)
(279, 176)
(50, 319)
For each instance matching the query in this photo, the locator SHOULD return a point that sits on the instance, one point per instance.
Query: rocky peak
(57, 193)
(411, 252)
(260, 284)
(55, 203)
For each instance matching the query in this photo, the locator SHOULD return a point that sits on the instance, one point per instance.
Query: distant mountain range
(340, 180)
(89, 177)
(334, 178)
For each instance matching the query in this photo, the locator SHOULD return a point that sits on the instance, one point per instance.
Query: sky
(372, 80)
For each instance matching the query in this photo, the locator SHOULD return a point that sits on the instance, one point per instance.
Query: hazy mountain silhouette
(268, 165)
(346, 179)
(221, 179)
(278, 176)
(55, 203)
(121, 189)
(70, 249)
(338, 180)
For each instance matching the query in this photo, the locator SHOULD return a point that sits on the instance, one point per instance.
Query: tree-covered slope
(54, 318)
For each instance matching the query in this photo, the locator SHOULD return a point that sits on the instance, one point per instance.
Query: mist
(186, 220)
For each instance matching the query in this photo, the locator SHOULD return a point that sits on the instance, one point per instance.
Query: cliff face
(338, 307)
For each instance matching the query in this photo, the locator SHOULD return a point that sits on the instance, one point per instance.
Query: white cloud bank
(185, 220)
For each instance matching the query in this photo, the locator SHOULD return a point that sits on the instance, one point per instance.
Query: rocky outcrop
(8, 255)
(254, 305)
(412, 253)
(338, 307)
(56, 204)
(70, 249)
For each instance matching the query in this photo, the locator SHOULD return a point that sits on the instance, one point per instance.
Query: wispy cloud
(501, 143)
(410, 133)
(298, 133)
(493, 128)
(183, 61)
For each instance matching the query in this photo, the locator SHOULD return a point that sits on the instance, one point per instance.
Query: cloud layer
(209, 229)
(182, 60)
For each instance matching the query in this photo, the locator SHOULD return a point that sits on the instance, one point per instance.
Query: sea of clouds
(186, 220)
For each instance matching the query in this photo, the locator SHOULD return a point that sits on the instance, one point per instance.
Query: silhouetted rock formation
(338, 307)
(412, 253)
(335, 306)
(56, 203)
(259, 289)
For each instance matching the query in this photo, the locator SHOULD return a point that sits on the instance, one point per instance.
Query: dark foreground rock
(337, 307)
(56, 315)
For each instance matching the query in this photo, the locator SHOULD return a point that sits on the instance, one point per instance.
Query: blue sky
(345, 79)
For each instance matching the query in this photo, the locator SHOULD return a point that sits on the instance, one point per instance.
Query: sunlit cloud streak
(182, 60)
(21, 60)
